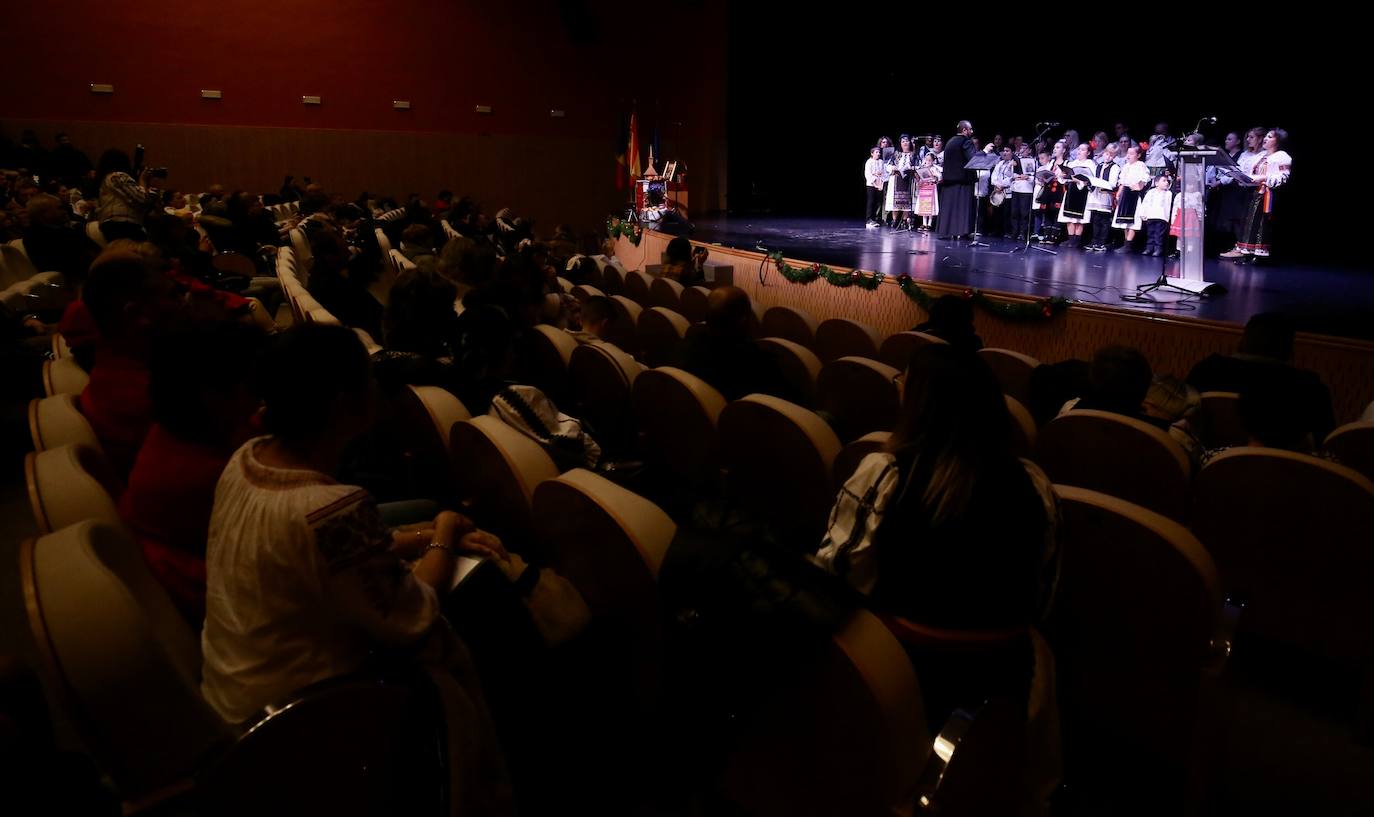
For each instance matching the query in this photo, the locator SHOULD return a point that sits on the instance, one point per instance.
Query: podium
(1193, 162)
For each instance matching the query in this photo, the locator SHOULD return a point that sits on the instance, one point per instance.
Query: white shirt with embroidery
(301, 585)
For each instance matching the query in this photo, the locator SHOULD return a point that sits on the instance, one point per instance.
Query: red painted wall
(445, 57)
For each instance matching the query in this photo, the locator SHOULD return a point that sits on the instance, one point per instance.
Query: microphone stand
(1028, 246)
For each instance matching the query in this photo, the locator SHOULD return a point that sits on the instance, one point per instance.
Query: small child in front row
(1156, 211)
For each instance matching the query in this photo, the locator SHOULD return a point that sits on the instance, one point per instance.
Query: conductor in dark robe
(956, 187)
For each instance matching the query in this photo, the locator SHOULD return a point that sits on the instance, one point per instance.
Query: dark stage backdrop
(809, 95)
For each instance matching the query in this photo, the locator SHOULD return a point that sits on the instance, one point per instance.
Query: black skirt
(1126, 207)
(1075, 201)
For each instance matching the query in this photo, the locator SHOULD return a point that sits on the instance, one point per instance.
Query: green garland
(1041, 310)
(616, 228)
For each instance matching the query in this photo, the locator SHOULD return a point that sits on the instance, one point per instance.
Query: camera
(157, 172)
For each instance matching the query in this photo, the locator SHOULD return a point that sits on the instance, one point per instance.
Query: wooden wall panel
(1172, 344)
(571, 180)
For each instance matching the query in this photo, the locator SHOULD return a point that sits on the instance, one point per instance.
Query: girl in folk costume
(927, 192)
(1073, 207)
(875, 178)
(1271, 171)
(1102, 198)
(902, 173)
(1048, 192)
(937, 147)
(1155, 211)
(1134, 179)
(888, 150)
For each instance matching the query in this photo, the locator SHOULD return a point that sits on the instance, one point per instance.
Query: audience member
(202, 408)
(951, 320)
(1265, 357)
(723, 354)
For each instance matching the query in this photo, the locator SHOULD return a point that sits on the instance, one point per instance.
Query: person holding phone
(124, 201)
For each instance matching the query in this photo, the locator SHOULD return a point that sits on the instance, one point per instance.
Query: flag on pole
(621, 150)
(632, 158)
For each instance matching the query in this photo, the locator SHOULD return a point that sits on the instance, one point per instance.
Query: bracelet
(444, 546)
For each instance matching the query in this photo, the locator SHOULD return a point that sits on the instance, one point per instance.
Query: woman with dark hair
(1271, 171)
(124, 202)
(305, 582)
(947, 528)
(418, 333)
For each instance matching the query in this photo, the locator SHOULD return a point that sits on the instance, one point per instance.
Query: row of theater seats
(1249, 506)
(127, 664)
(23, 288)
(1140, 632)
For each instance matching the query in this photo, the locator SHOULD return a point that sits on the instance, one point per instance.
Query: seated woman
(304, 580)
(948, 529)
(417, 332)
(684, 263)
(202, 407)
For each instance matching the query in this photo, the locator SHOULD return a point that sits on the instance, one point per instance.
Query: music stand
(981, 161)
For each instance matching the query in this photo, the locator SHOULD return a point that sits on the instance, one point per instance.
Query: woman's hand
(483, 545)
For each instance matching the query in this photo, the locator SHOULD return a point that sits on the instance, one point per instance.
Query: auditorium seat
(606, 540)
(637, 287)
(234, 264)
(56, 421)
(1023, 431)
(304, 258)
(799, 365)
(122, 663)
(1015, 737)
(694, 303)
(497, 469)
(585, 292)
(789, 324)
(841, 337)
(549, 353)
(401, 736)
(613, 279)
(424, 417)
(1119, 456)
(843, 733)
(1218, 420)
(1013, 370)
(847, 461)
(64, 376)
(69, 484)
(1353, 446)
(678, 414)
(897, 349)
(602, 376)
(1141, 636)
(372, 346)
(94, 234)
(859, 395)
(623, 330)
(399, 262)
(661, 335)
(667, 293)
(1290, 534)
(779, 457)
(15, 266)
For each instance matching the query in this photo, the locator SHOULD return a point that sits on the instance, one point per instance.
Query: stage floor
(1323, 300)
